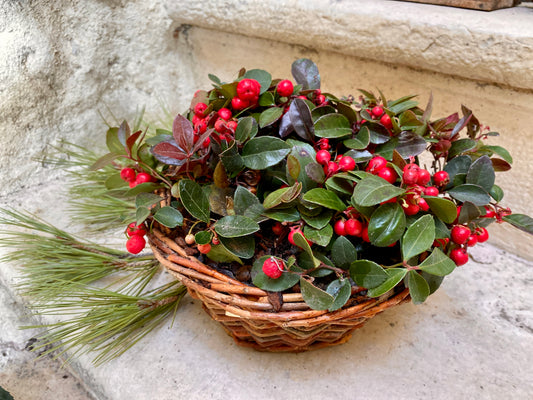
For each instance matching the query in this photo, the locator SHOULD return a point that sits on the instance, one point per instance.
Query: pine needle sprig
(105, 322)
(52, 260)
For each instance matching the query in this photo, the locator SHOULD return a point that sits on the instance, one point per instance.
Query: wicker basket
(246, 313)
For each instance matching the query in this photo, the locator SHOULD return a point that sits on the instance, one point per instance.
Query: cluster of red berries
(377, 113)
(416, 180)
(134, 178)
(463, 237)
(341, 163)
(136, 241)
(378, 166)
(247, 94)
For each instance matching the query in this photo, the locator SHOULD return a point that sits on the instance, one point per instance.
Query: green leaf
(115, 181)
(520, 221)
(326, 198)
(305, 73)
(457, 165)
(246, 128)
(302, 243)
(368, 274)
(472, 193)
(269, 116)
(333, 126)
(418, 287)
(284, 282)
(386, 225)
(306, 155)
(395, 275)
(283, 215)
(203, 237)
(314, 297)
(267, 100)
(496, 193)
(193, 199)
(409, 120)
(235, 226)
(220, 254)
(146, 187)
(461, 146)
(264, 151)
(343, 252)
(147, 199)
(400, 107)
(503, 153)
(243, 247)
(113, 143)
(373, 190)
(169, 217)
(360, 141)
(141, 214)
(232, 160)
(246, 203)
(443, 209)
(319, 236)
(284, 195)
(437, 264)
(263, 77)
(469, 212)
(104, 161)
(318, 221)
(481, 173)
(419, 237)
(341, 290)
(433, 281)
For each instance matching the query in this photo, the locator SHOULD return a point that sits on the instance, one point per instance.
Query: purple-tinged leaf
(500, 165)
(285, 126)
(305, 72)
(124, 133)
(301, 119)
(131, 141)
(201, 140)
(166, 149)
(410, 144)
(461, 124)
(183, 133)
(104, 160)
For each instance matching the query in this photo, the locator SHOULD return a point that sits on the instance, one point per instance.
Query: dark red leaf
(500, 165)
(123, 133)
(131, 141)
(201, 139)
(183, 133)
(165, 149)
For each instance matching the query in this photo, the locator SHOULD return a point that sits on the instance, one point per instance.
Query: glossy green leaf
(283, 215)
(147, 199)
(343, 252)
(269, 116)
(341, 290)
(409, 120)
(146, 187)
(267, 99)
(481, 173)
(469, 212)
(105, 160)
(437, 263)
(284, 282)
(169, 217)
(472, 193)
(360, 141)
(314, 297)
(418, 237)
(302, 243)
(496, 193)
(333, 126)
(520, 221)
(115, 181)
(325, 198)
(236, 226)
(220, 254)
(461, 146)
(433, 281)
(318, 221)
(113, 143)
(141, 214)
(264, 151)
(246, 128)
(443, 209)
(418, 287)
(386, 225)
(194, 200)
(395, 275)
(232, 160)
(503, 153)
(319, 236)
(243, 247)
(457, 165)
(368, 274)
(400, 107)
(306, 155)
(373, 190)
(203, 237)
(246, 203)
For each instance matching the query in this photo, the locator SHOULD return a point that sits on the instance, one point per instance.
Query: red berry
(323, 157)
(423, 177)
(133, 184)
(248, 89)
(377, 111)
(441, 242)
(135, 244)
(386, 121)
(460, 234)
(291, 236)
(285, 88)
(459, 256)
(472, 240)
(127, 174)
(364, 234)
(239, 104)
(332, 168)
(206, 143)
(143, 177)
(441, 178)
(201, 127)
(431, 191)
(225, 114)
(215, 240)
(411, 209)
(353, 227)
(199, 109)
(482, 235)
(347, 163)
(410, 175)
(134, 229)
(232, 126)
(339, 227)
(489, 213)
(220, 125)
(323, 144)
(320, 99)
(375, 164)
(422, 203)
(273, 267)
(277, 229)
(204, 248)
(388, 174)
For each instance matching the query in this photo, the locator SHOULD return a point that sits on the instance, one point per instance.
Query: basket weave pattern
(246, 313)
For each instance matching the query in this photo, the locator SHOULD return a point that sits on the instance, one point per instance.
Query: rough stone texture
(492, 47)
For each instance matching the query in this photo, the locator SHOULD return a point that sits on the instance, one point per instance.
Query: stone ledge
(494, 47)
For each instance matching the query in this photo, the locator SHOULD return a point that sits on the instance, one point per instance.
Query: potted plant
(296, 215)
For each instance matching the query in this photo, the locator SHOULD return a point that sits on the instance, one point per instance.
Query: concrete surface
(61, 63)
